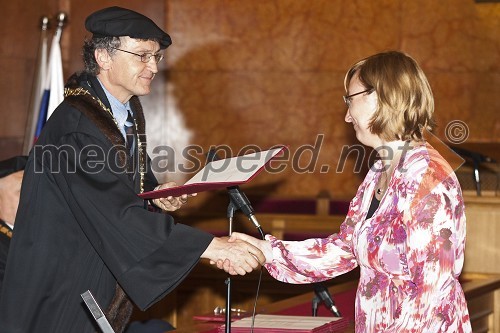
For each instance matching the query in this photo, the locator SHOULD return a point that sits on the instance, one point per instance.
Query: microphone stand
(231, 208)
(323, 295)
(230, 214)
(237, 201)
(314, 304)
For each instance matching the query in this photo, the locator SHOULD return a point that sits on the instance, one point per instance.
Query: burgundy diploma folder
(221, 173)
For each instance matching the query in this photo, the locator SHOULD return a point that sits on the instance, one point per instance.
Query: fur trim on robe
(120, 309)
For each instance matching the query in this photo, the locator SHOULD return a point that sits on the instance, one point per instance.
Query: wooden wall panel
(20, 26)
(271, 72)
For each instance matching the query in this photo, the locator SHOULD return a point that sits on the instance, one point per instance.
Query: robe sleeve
(147, 253)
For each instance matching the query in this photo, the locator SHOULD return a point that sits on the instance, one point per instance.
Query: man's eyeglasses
(348, 98)
(145, 57)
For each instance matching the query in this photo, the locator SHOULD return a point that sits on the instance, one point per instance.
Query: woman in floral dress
(405, 227)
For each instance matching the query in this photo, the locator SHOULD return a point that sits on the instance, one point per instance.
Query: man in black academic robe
(80, 224)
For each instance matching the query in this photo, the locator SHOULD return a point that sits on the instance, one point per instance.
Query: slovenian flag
(53, 93)
(37, 89)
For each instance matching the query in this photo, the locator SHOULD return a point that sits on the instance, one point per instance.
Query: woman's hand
(263, 245)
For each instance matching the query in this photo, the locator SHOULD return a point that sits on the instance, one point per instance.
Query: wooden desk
(483, 235)
(479, 291)
(280, 307)
(482, 293)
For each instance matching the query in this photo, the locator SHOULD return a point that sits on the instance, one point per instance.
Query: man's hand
(240, 257)
(170, 203)
(263, 245)
(10, 189)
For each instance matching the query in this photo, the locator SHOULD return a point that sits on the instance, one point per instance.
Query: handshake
(238, 254)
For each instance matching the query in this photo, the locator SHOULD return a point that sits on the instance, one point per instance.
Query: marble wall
(271, 72)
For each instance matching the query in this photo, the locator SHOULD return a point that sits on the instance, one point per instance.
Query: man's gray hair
(89, 47)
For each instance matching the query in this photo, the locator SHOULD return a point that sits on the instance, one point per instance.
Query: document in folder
(221, 173)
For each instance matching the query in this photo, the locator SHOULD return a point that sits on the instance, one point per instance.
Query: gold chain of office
(140, 145)
(6, 231)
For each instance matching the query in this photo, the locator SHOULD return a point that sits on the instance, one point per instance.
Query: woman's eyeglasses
(348, 98)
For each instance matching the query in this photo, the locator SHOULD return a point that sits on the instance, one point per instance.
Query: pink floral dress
(410, 252)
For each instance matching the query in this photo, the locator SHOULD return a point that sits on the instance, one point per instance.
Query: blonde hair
(405, 106)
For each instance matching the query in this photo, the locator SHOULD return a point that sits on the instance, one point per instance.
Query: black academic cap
(117, 21)
(11, 165)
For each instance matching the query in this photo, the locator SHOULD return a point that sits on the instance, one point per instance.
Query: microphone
(475, 156)
(241, 202)
(238, 199)
(324, 295)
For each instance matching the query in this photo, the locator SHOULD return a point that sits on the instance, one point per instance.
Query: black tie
(129, 133)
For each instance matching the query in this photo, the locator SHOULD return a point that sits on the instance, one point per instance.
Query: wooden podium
(298, 305)
(479, 291)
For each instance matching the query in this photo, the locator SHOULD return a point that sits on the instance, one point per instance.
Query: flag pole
(55, 67)
(37, 89)
(61, 19)
(53, 85)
